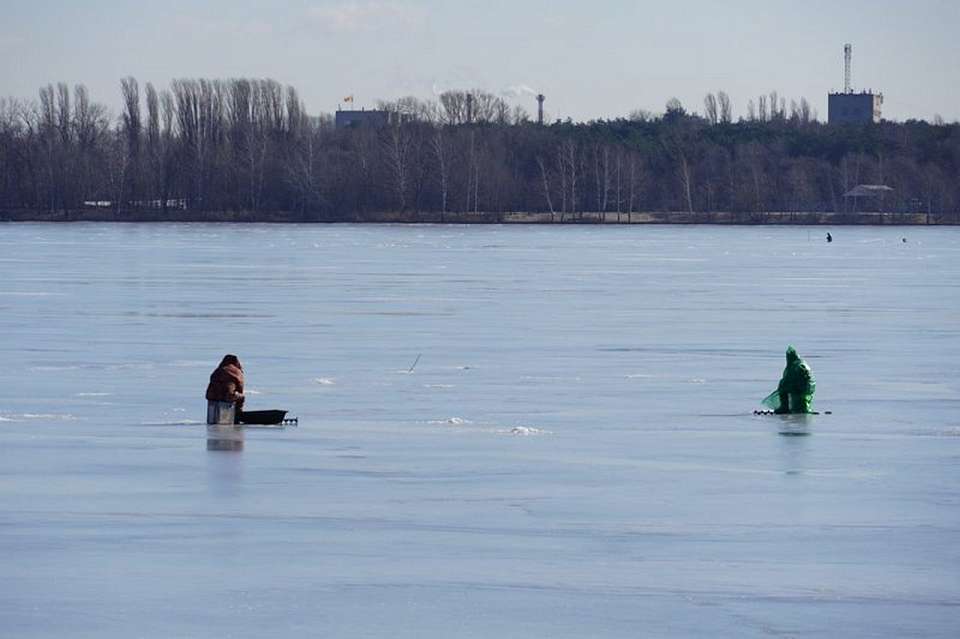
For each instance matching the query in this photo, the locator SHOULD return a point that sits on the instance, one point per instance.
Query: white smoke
(517, 90)
(459, 79)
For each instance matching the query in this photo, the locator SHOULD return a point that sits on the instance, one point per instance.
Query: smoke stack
(847, 56)
(469, 108)
(540, 100)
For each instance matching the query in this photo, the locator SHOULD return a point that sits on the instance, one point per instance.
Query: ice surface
(574, 454)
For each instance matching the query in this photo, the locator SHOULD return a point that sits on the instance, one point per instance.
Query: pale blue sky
(597, 59)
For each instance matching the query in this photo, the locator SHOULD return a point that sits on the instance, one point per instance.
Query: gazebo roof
(868, 190)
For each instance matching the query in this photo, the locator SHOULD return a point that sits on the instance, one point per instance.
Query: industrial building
(854, 108)
(374, 118)
(851, 107)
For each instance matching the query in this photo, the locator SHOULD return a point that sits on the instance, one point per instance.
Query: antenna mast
(847, 55)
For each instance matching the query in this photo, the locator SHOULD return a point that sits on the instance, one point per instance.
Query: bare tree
(601, 170)
(167, 166)
(726, 108)
(619, 153)
(153, 122)
(261, 128)
(411, 109)
(186, 95)
(519, 115)
(678, 143)
(461, 107)
(396, 145)
(64, 125)
(90, 124)
(686, 178)
(46, 127)
(241, 112)
(754, 160)
(11, 150)
(631, 185)
(570, 155)
(562, 168)
(271, 96)
(546, 187)
(486, 106)
(301, 161)
(154, 155)
(440, 152)
(711, 112)
(66, 164)
(296, 116)
(775, 113)
(454, 107)
(473, 173)
(132, 126)
(169, 112)
(118, 159)
(805, 111)
(501, 112)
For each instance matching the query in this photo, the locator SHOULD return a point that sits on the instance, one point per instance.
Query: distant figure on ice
(225, 392)
(794, 394)
(829, 237)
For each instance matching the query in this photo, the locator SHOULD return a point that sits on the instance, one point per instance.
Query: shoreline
(517, 217)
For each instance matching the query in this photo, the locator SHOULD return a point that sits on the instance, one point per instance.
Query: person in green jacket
(794, 394)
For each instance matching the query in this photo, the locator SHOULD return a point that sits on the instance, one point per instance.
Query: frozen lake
(574, 454)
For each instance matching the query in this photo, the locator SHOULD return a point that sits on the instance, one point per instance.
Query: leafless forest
(248, 145)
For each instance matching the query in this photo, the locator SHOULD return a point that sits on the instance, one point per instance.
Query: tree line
(249, 145)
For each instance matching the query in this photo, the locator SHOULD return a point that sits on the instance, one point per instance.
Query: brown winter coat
(226, 383)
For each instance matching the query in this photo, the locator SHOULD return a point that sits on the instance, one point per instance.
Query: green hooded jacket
(794, 394)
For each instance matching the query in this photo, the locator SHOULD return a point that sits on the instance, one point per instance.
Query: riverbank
(516, 217)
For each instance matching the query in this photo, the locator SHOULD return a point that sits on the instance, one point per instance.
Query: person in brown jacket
(226, 383)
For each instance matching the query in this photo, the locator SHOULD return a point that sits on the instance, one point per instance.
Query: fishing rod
(415, 363)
